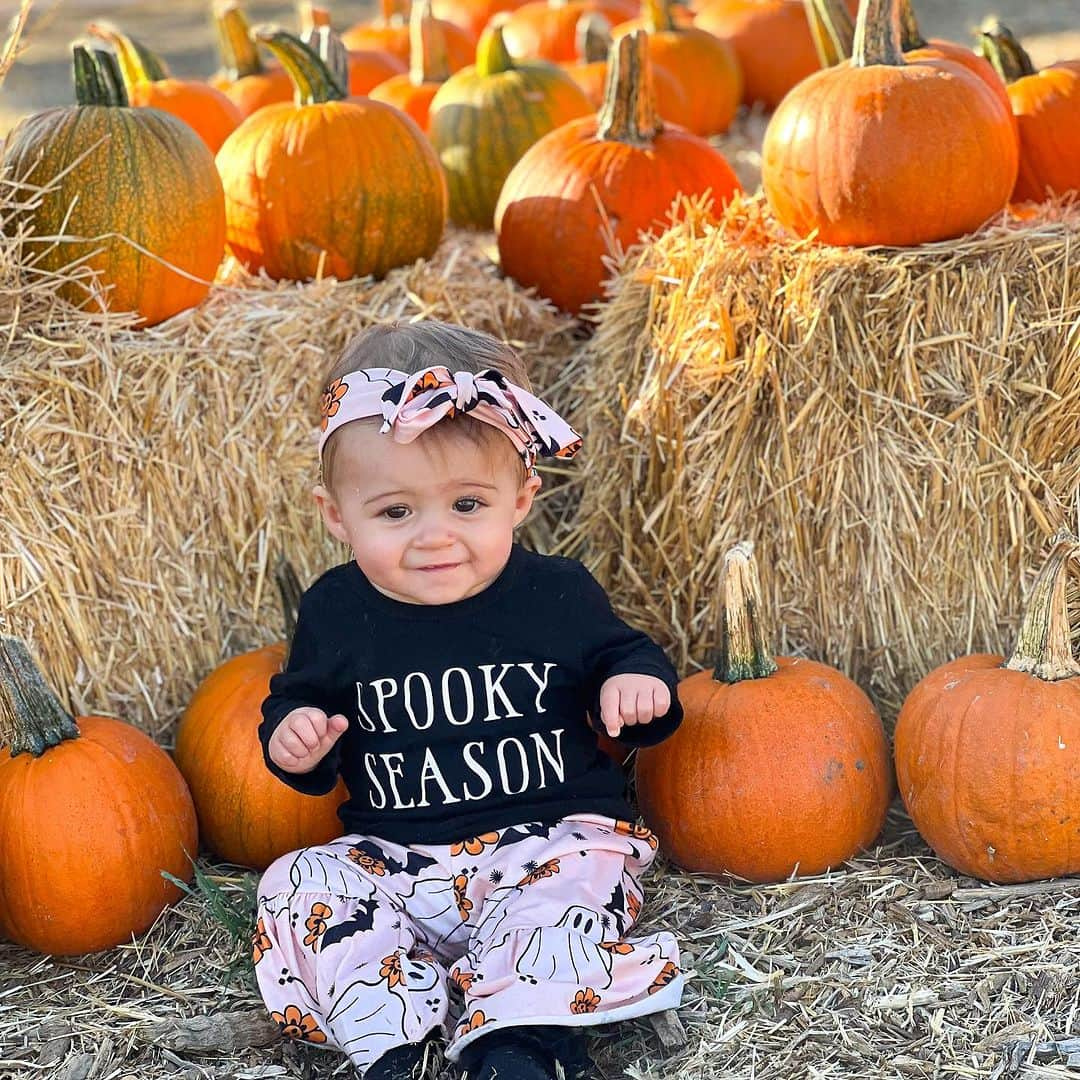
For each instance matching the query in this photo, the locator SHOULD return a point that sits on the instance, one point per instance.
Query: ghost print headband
(410, 404)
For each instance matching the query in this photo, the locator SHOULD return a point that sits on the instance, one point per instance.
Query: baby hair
(410, 347)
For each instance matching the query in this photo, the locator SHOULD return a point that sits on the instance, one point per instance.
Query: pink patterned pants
(364, 945)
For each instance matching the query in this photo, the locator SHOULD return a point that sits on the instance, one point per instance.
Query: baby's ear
(331, 515)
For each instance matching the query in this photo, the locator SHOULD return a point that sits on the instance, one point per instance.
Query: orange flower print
(316, 924)
(391, 970)
(430, 381)
(569, 451)
(463, 980)
(331, 400)
(633, 906)
(464, 904)
(667, 973)
(639, 832)
(585, 1001)
(367, 862)
(475, 844)
(619, 948)
(476, 1020)
(260, 943)
(297, 1025)
(544, 870)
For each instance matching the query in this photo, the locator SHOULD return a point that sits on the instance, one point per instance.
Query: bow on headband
(410, 404)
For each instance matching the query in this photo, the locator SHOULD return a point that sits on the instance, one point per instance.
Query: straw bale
(898, 430)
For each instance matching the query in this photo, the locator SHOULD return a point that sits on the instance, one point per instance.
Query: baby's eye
(468, 505)
(395, 513)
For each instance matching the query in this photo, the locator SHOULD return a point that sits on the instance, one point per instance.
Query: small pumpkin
(547, 29)
(485, 117)
(473, 15)
(885, 150)
(390, 33)
(246, 814)
(367, 68)
(211, 114)
(1046, 104)
(244, 79)
(601, 180)
(780, 766)
(132, 193)
(328, 185)
(92, 812)
(988, 750)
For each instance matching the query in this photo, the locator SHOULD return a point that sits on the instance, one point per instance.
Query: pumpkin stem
(394, 12)
(910, 34)
(658, 16)
(315, 80)
(31, 716)
(592, 37)
(877, 35)
(628, 113)
(1044, 641)
(492, 55)
(429, 61)
(138, 64)
(289, 587)
(97, 78)
(744, 651)
(1008, 57)
(239, 53)
(832, 29)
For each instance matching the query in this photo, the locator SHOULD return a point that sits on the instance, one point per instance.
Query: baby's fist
(626, 700)
(304, 738)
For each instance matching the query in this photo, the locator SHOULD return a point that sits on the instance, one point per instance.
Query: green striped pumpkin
(486, 116)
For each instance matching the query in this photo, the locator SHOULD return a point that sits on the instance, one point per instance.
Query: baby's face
(427, 523)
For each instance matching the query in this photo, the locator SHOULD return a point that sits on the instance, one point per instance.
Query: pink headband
(410, 404)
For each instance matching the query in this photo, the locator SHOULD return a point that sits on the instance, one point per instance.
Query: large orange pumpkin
(988, 751)
(779, 767)
(92, 812)
(246, 814)
(547, 29)
(329, 186)
(206, 110)
(887, 151)
(1047, 108)
(600, 180)
(132, 192)
(244, 78)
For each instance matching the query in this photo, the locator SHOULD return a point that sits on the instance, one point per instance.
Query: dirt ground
(181, 31)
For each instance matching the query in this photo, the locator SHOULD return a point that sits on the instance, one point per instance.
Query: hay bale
(897, 430)
(152, 478)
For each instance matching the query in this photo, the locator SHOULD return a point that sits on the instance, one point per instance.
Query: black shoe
(530, 1052)
(400, 1063)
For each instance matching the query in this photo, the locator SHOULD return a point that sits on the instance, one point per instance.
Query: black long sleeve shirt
(470, 716)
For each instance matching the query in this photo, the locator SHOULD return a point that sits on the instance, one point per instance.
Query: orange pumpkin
(473, 15)
(327, 185)
(246, 815)
(547, 29)
(988, 751)
(705, 66)
(603, 179)
(367, 68)
(211, 114)
(1047, 108)
(243, 77)
(779, 766)
(92, 812)
(887, 151)
(390, 33)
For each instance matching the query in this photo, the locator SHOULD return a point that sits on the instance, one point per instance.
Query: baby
(490, 871)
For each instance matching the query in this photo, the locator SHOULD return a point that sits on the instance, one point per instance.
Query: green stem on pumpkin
(97, 78)
(592, 38)
(1044, 641)
(1007, 56)
(744, 651)
(429, 61)
(910, 34)
(877, 35)
(492, 55)
(31, 716)
(138, 64)
(239, 53)
(289, 588)
(314, 81)
(832, 29)
(628, 113)
(657, 15)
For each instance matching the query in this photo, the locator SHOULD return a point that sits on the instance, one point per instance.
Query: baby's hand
(626, 700)
(304, 738)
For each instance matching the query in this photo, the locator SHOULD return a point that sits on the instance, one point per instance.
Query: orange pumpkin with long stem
(547, 29)
(1046, 104)
(600, 181)
(206, 110)
(367, 68)
(327, 185)
(885, 150)
(246, 814)
(390, 33)
(244, 79)
(780, 766)
(92, 814)
(988, 750)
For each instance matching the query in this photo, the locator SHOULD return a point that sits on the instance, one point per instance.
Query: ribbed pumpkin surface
(85, 831)
(212, 115)
(143, 175)
(1047, 108)
(246, 815)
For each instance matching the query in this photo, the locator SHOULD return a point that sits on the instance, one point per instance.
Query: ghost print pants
(364, 945)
